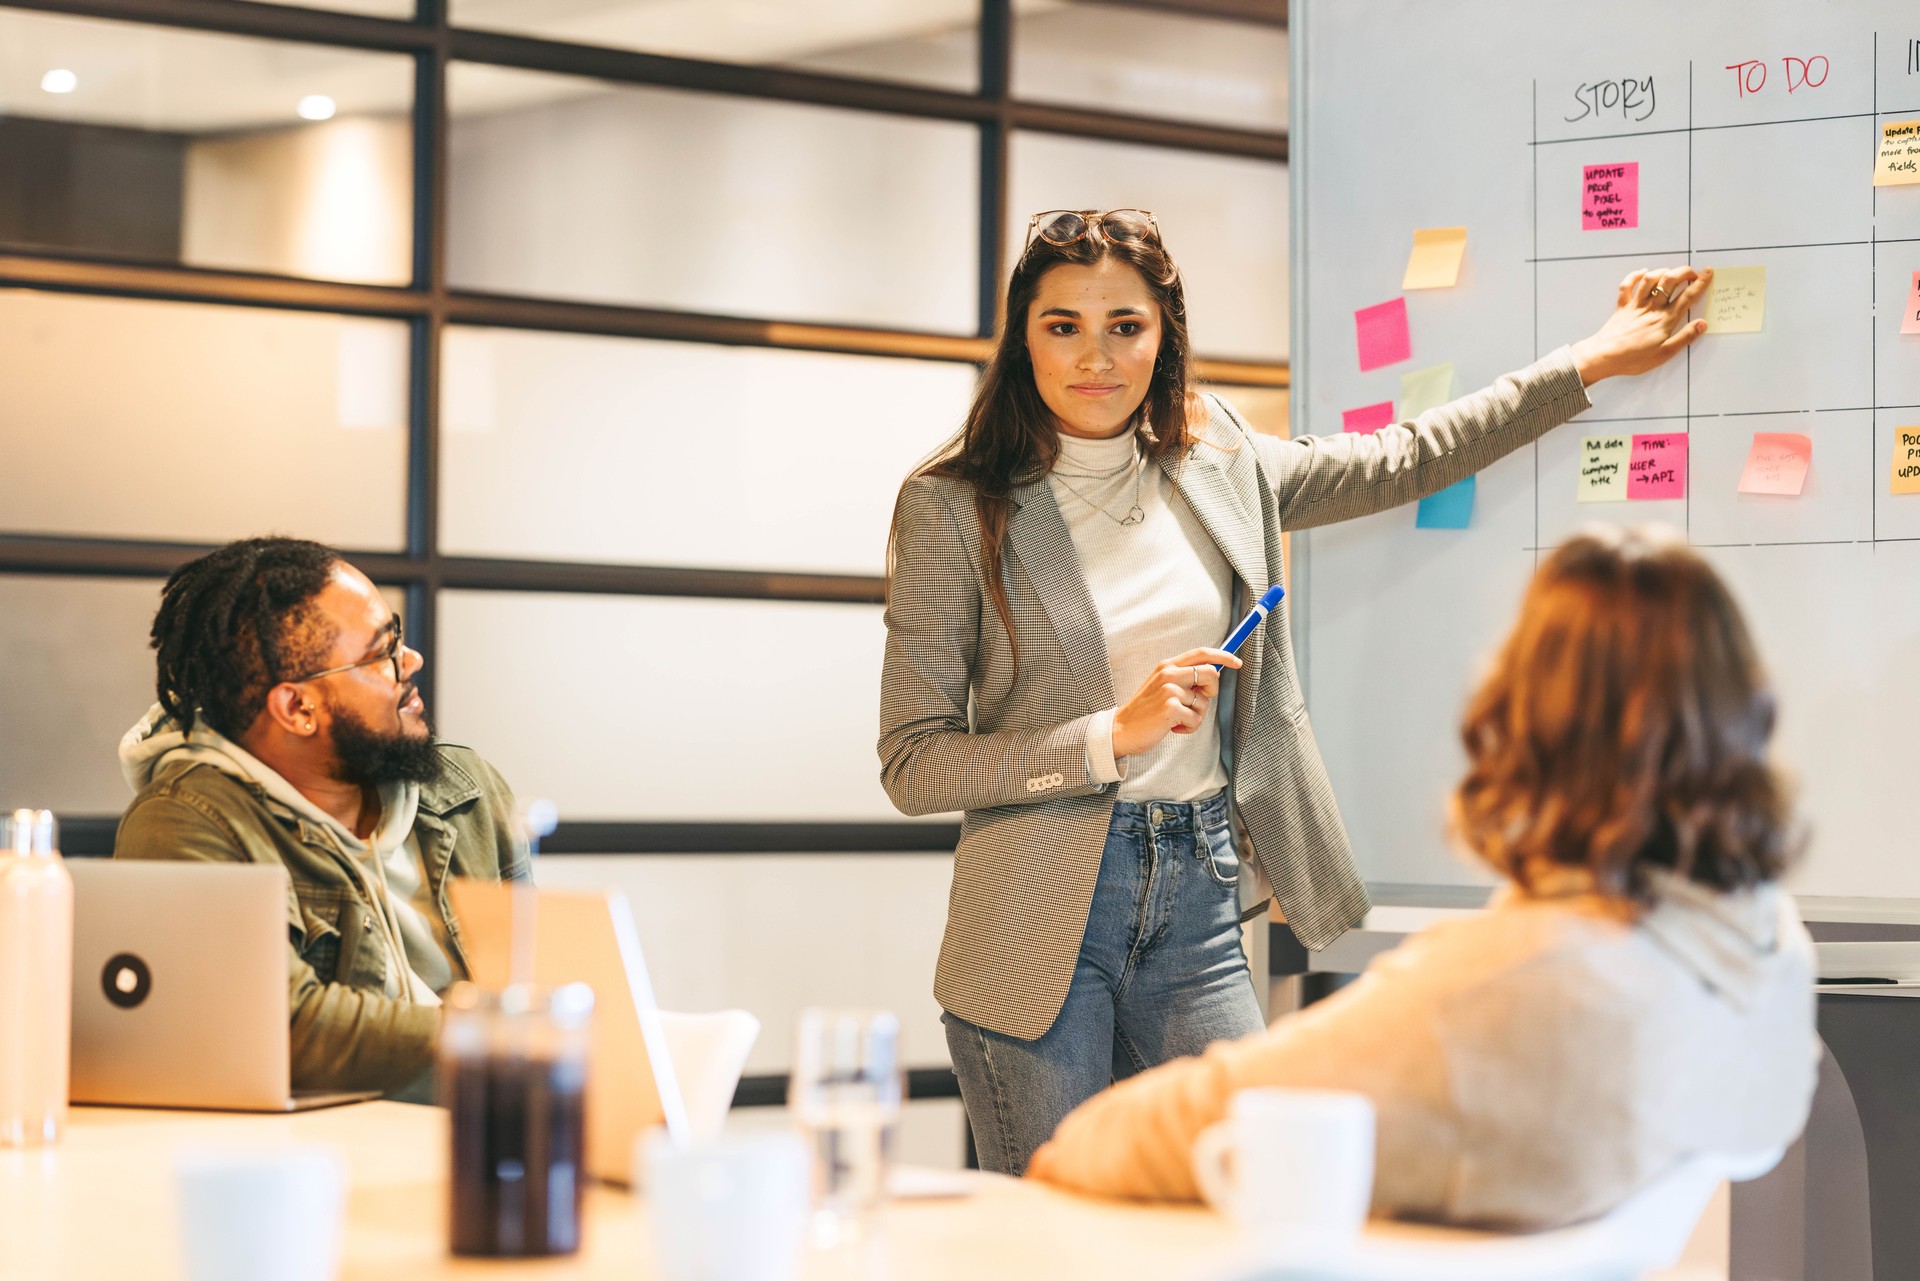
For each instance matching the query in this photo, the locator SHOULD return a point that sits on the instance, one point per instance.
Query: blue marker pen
(1261, 609)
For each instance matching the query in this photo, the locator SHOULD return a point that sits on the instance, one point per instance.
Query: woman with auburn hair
(1640, 988)
(1060, 576)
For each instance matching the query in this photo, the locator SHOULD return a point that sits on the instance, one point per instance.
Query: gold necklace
(1134, 513)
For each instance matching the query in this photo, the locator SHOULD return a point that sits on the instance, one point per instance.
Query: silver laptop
(180, 987)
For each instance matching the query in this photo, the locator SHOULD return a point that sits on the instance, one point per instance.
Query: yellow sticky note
(1737, 300)
(1899, 158)
(1603, 469)
(1435, 260)
(1906, 460)
(1422, 389)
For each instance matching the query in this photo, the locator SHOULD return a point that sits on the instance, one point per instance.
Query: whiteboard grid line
(1872, 244)
(1738, 124)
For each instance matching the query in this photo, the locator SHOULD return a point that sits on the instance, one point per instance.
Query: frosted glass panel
(570, 188)
(931, 42)
(776, 933)
(1152, 64)
(136, 141)
(196, 423)
(77, 673)
(1224, 219)
(655, 708)
(564, 447)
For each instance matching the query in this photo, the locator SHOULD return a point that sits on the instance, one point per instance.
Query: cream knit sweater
(1530, 1066)
(1161, 587)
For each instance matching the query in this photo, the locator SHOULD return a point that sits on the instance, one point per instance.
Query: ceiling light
(60, 80)
(315, 106)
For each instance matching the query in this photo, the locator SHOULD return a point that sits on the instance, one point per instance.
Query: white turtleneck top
(1161, 587)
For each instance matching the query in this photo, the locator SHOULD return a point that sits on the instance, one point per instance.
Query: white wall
(332, 200)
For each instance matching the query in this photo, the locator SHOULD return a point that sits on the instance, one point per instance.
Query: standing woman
(1059, 576)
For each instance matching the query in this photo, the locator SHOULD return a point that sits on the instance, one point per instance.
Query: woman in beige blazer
(1640, 990)
(1060, 575)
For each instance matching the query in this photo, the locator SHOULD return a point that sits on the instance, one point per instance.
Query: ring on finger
(1660, 293)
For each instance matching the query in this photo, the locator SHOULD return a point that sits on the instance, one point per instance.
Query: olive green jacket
(347, 1034)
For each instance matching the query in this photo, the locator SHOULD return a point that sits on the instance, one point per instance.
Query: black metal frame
(428, 306)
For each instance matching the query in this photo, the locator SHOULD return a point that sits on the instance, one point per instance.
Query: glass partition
(126, 140)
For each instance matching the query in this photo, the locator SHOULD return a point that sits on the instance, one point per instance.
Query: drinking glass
(845, 1098)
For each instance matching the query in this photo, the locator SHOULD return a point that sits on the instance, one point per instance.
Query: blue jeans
(1161, 974)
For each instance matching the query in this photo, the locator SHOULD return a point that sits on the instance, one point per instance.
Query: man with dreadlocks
(289, 730)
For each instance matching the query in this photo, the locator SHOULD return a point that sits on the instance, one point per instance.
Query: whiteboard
(1484, 113)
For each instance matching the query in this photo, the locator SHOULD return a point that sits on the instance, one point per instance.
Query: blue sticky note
(1451, 508)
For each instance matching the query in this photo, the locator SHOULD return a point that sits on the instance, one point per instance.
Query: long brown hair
(1624, 726)
(1010, 438)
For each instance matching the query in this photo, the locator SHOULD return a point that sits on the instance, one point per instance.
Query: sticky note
(1777, 463)
(1657, 467)
(1367, 419)
(1383, 334)
(1737, 300)
(1906, 460)
(1910, 318)
(1610, 196)
(1422, 389)
(1435, 260)
(1603, 469)
(1451, 508)
(1899, 158)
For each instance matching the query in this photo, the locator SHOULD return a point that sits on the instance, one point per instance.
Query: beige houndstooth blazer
(962, 729)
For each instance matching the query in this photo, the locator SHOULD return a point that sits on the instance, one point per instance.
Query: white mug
(731, 1210)
(260, 1214)
(1293, 1167)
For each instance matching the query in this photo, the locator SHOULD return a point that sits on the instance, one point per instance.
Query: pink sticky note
(1383, 334)
(1657, 467)
(1610, 196)
(1368, 418)
(1910, 321)
(1777, 463)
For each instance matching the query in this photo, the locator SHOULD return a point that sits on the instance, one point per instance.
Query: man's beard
(369, 758)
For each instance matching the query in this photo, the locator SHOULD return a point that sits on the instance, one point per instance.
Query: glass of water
(845, 1097)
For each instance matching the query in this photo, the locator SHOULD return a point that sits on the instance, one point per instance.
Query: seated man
(289, 731)
(1640, 990)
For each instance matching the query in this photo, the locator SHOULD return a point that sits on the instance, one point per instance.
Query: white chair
(1647, 1231)
(709, 1051)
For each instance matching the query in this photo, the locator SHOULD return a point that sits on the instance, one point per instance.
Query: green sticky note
(1422, 389)
(1451, 508)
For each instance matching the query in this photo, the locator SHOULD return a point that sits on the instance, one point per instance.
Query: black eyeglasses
(392, 655)
(1062, 227)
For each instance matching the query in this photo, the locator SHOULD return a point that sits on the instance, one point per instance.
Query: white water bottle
(36, 980)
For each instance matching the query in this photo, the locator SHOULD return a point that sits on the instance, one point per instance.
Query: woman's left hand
(1649, 324)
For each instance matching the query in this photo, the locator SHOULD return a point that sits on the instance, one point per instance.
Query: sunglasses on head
(1062, 227)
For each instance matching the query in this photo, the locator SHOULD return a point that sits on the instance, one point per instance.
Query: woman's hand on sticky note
(1648, 325)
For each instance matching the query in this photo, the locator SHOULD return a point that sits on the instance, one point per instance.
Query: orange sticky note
(1906, 460)
(1910, 319)
(1898, 160)
(1777, 463)
(1435, 260)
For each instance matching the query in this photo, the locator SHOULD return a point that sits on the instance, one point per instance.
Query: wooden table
(100, 1206)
